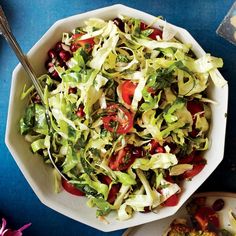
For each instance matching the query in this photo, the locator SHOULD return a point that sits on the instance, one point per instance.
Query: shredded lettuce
(91, 187)
(100, 54)
(125, 179)
(158, 160)
(204, 64)
(124, 212)
(152, 44)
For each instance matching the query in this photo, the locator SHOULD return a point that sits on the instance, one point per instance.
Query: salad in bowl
(136, 107)
(129, 114)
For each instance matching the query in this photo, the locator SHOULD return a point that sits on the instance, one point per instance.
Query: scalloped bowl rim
(39, 176)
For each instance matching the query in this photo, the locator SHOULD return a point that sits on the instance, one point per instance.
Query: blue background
(29, 20)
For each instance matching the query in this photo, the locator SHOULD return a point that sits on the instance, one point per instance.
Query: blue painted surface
(29, 20)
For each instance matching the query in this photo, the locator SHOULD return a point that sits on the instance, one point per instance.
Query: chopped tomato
(70, 188)
(187, 159)
(124, 158)
(198, 160)
(197, 168)
(127, 90)
(87, 44)
(171, 201)
(154, 34)
(118, 119)
(76, 36)
(206, 217)
(113, 193)
(198, 163)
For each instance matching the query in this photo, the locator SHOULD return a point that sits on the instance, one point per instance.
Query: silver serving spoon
(6, 32)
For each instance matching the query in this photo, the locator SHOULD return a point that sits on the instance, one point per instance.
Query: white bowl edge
(118, 8)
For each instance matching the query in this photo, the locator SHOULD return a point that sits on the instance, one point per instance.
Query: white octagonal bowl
(39, 175)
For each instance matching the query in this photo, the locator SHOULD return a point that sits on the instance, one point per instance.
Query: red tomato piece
(171, 201)
(169, 179)
(70, 188)
(197, 168)
(187, 159)
(198, 160)
(82, 42)
(127, 91)
(206, 217)
(198, 163)
(122, 160)
(118, 119)
(125, 158)
(87, 44)
(154, 34)
(76, 36)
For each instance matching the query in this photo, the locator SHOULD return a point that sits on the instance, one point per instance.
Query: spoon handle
(6, 32)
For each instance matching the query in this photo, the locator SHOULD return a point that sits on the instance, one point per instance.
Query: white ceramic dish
(159, 227)
(39, 175)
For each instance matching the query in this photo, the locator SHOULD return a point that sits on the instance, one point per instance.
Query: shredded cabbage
(127, 107)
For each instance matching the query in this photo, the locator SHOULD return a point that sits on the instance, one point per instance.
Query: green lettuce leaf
(94, 187)
(41, 125)
(169, 112)
(124, 178)
(27, 121)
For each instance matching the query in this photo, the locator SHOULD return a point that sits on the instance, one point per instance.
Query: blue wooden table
(29, 20)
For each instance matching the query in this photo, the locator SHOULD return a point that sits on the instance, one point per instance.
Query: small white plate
(159, 227)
